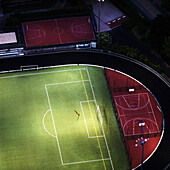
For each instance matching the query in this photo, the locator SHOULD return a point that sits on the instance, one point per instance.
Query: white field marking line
(44, 124)
(58, 31)
(123, 96)
(69, 82)
(153, 112)
(97, 160)
(54, 125)
(101, 124)
(57, 137)
(58, 140)
(33, 74)
(96, 136)
(85, 119)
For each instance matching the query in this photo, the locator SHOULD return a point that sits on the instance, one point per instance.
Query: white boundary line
(33, 74)
(101, 125)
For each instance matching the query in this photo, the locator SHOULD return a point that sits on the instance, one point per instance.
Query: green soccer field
(39, 127)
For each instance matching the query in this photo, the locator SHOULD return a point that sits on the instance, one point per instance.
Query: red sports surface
(58, 31)
(135, 107)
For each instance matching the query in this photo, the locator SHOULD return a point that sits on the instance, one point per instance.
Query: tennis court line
(93, 121)
(85, 119)
(33, 74)
(101, 125)
(97, 160)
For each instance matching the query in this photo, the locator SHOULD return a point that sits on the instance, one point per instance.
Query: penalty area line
(97, 160)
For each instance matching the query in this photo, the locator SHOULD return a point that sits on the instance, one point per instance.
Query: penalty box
(75, 143)
(134, 109)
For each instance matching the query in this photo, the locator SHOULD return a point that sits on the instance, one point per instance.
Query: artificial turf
(39, 128)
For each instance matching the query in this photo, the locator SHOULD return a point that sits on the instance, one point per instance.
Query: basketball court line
(149, 111)
(78, 20)
(58, 31)
(38, 33)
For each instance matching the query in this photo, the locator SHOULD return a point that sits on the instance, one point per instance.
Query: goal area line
(90, 101)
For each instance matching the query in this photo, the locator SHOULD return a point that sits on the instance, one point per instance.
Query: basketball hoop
(142, 124)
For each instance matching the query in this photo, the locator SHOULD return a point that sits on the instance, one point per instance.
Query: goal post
(29, 67)
(100, 115)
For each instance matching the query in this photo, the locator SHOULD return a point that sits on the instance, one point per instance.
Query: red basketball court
(134, 109)
(139, 115)
(58, 31)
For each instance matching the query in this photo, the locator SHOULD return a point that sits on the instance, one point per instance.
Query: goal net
(100, 115)
(29, 67)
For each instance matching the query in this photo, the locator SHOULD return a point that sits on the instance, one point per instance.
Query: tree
(166, 48)
(105, 40)
(165, 4)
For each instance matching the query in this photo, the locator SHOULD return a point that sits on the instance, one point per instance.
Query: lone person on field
(78, 113)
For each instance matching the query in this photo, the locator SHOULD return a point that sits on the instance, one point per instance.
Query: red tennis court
(58, 31)
(134, 109)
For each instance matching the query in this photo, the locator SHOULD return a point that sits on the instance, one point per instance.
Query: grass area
(39, 128)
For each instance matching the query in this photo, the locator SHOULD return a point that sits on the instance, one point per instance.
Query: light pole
(99, 6)
(140, 142)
